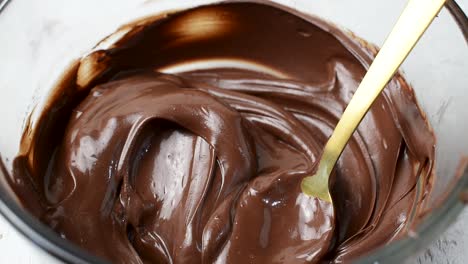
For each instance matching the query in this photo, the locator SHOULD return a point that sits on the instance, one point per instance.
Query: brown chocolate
(205, 165)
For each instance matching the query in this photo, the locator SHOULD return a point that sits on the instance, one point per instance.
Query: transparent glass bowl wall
(40, 39)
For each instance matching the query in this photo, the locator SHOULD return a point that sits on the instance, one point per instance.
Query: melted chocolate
(204, 165)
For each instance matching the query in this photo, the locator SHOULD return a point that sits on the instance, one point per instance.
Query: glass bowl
(41, 38)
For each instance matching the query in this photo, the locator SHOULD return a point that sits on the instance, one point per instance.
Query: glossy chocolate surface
(187, 140)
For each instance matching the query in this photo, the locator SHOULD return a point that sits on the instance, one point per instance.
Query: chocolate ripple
(138, 163)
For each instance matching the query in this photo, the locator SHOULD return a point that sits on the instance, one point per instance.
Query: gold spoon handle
(412, 23)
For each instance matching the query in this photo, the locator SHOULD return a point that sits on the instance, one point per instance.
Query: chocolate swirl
(204, 165)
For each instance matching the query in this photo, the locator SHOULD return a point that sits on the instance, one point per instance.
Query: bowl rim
(433, 224)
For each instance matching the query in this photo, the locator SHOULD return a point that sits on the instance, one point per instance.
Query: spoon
(413, 22)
